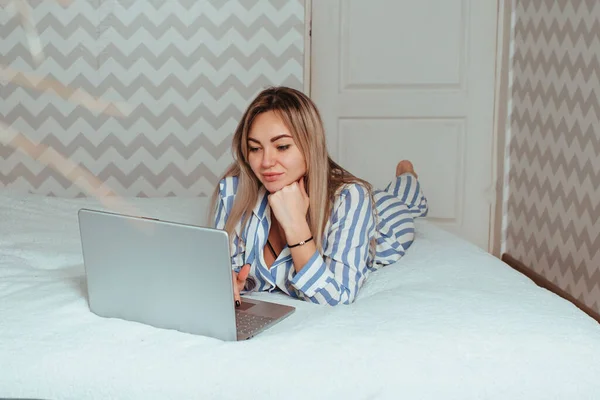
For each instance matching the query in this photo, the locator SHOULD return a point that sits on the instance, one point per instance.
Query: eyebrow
(276, 138)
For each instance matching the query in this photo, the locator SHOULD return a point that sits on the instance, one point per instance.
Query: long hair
(323, 176)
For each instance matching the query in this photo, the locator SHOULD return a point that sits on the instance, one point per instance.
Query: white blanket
(448, 321)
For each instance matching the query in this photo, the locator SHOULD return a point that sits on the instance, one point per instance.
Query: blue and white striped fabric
(336, 275)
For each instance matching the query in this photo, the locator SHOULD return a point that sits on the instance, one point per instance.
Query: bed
(447, 321)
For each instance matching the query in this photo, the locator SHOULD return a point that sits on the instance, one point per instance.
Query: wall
(135, 97)
(553, 200)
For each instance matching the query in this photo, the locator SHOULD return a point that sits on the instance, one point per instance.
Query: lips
(272, 177)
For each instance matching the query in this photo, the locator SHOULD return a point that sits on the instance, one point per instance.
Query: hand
(239, 281)
(290, 205)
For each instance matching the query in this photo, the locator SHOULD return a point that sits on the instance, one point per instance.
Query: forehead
(267, 125)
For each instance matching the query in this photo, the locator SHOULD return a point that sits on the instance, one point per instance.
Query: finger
(287, 188)
(236, 291)
(239, 283)
(243, 275)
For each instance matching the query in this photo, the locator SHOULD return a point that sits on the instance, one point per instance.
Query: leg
(407, 189)
(397, 207)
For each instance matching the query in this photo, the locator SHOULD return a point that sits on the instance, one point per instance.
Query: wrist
(297, 233)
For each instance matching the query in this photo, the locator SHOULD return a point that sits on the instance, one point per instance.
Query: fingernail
(237, 303)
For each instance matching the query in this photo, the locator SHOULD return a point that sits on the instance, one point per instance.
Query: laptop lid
(165, 274)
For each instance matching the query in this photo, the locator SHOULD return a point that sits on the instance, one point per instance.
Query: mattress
(447, 321)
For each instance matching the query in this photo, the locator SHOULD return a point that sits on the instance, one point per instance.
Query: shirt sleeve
(337, 275)
(227, 190)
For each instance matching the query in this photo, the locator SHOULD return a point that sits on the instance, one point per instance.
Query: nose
(268, 159)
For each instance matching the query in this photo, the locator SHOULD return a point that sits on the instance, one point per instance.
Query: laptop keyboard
(249, 323)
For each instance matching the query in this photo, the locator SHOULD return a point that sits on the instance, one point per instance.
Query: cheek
(301, 163)
(254, 163)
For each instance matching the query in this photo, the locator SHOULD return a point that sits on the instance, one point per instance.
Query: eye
(253, 149)
(283, 147)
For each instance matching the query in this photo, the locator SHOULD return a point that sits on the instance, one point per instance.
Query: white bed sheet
(447, 321)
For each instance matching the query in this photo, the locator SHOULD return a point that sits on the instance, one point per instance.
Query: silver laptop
(168, 275)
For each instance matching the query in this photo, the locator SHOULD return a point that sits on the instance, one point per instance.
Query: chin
(273, 187)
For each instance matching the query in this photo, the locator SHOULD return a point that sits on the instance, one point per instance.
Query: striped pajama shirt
(335, 275)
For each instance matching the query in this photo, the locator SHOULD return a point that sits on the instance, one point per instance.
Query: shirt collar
(262, 205)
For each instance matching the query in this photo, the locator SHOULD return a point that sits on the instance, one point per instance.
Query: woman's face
(272, 154)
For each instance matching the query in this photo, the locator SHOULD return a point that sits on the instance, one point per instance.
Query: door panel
(409, 138)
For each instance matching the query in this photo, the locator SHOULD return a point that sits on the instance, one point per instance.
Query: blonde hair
(323, 176)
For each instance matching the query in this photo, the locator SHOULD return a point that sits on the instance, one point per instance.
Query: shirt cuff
(313, 276)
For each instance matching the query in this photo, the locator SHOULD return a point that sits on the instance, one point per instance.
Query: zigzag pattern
(52, 180)
(171, 115)
(112, 171)
(203, 25)
(554, 181)
(125, 150)
(64, 59)
(170, 83)
(172, 79)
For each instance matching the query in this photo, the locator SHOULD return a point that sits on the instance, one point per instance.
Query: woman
(299, 222)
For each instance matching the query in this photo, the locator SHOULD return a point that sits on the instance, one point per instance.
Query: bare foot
(405, 166)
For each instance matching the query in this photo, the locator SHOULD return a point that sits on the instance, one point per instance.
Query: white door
(405, 79)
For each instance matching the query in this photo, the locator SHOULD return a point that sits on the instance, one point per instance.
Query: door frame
(501, 135)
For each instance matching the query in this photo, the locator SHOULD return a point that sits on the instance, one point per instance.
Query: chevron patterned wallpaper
(553, 221)
(135, 97)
